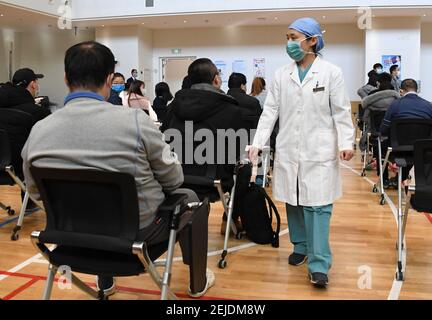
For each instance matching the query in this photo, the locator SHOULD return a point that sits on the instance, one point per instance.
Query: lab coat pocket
(327, 149)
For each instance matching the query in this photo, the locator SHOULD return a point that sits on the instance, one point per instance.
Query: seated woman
(136, 99)
(160, 103)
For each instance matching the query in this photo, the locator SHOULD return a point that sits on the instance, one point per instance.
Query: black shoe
(386, 184)
(394, 183)
(297, 259)
(319, 280)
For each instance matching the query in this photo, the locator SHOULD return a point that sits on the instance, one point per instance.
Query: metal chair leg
(83, 287)
(170, 256)
(17, 229)
(52, 270)
(399, 274)
(382, 192)
(222, 262)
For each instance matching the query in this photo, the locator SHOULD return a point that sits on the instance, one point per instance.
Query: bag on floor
(257, 217)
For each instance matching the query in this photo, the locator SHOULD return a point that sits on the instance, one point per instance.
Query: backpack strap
(275, 243)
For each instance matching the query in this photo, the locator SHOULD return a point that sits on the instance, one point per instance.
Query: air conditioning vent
(149, 3)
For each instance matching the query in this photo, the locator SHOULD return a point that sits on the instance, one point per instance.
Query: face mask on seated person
(118, 87)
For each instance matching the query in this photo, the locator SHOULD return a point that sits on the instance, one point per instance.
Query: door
(174, 70)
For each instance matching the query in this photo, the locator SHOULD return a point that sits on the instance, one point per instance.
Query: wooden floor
(363, 235)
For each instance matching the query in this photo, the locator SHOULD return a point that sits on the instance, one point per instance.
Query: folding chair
(419, 197)
(376, 118)
(217, 194)
(93, 220)
(361, 124)
(8, 177)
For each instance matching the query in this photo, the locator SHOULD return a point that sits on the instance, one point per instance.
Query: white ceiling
(21, 20)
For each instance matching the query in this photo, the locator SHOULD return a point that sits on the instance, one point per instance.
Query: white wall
(108, 8)
(145, 57)
(344, 48)
(7, 38)
(44, 53)
(124, 43)
(426, 61)
(395, 37)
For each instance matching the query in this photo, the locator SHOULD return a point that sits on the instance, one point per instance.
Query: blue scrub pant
(309, 229)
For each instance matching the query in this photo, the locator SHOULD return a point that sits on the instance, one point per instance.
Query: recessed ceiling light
(425, 15)
(185, 21)
(143, 23)
(324, 17)
(2, 15)
(103, 25)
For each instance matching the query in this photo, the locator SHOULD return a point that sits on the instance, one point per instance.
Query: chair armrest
(171, 202)
(86, 241)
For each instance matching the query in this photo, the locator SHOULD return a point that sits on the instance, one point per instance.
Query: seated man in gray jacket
(90, 133)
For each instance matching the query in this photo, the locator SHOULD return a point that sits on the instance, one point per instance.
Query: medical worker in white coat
(316, 132)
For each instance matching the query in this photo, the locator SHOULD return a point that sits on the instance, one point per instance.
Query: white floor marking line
(230, 250)
(21, 266)
(397, 285)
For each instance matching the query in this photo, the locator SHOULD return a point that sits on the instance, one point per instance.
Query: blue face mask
(295, 51)
(118, 87)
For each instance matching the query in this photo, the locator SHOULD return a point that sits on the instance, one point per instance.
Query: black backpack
(257, 217)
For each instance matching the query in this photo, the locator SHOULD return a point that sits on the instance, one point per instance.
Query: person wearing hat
(316, 132)
(19, 95)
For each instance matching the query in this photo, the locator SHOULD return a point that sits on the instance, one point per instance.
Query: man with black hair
(134, 77)
(395, 73)
(20, 95)
(410, 106)
(250, 106)
(118, 87)
(206, 107)
(90, 133)
(378, 68)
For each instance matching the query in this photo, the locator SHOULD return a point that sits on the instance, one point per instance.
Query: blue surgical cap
(309, 27)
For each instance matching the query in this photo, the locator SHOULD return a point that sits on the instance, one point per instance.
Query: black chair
(16, 126)
(419, 197)
(93, 219)
(5, 161)
(8, 177)
(376, 118)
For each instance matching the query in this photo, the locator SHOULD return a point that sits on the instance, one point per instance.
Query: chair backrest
(5, 150)
(376, 119)
(405, 132)
(423, 172)
(89, 202)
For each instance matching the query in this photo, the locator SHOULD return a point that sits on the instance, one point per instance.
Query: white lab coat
(314, 127)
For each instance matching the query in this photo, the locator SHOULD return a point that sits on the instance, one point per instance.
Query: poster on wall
(259, 68)
(239, 66)
(391, 60)
(222, 67)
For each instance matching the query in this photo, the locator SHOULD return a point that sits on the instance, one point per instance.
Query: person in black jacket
(205, 107)
(19, 97)
(160, 103)
(250, 106)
